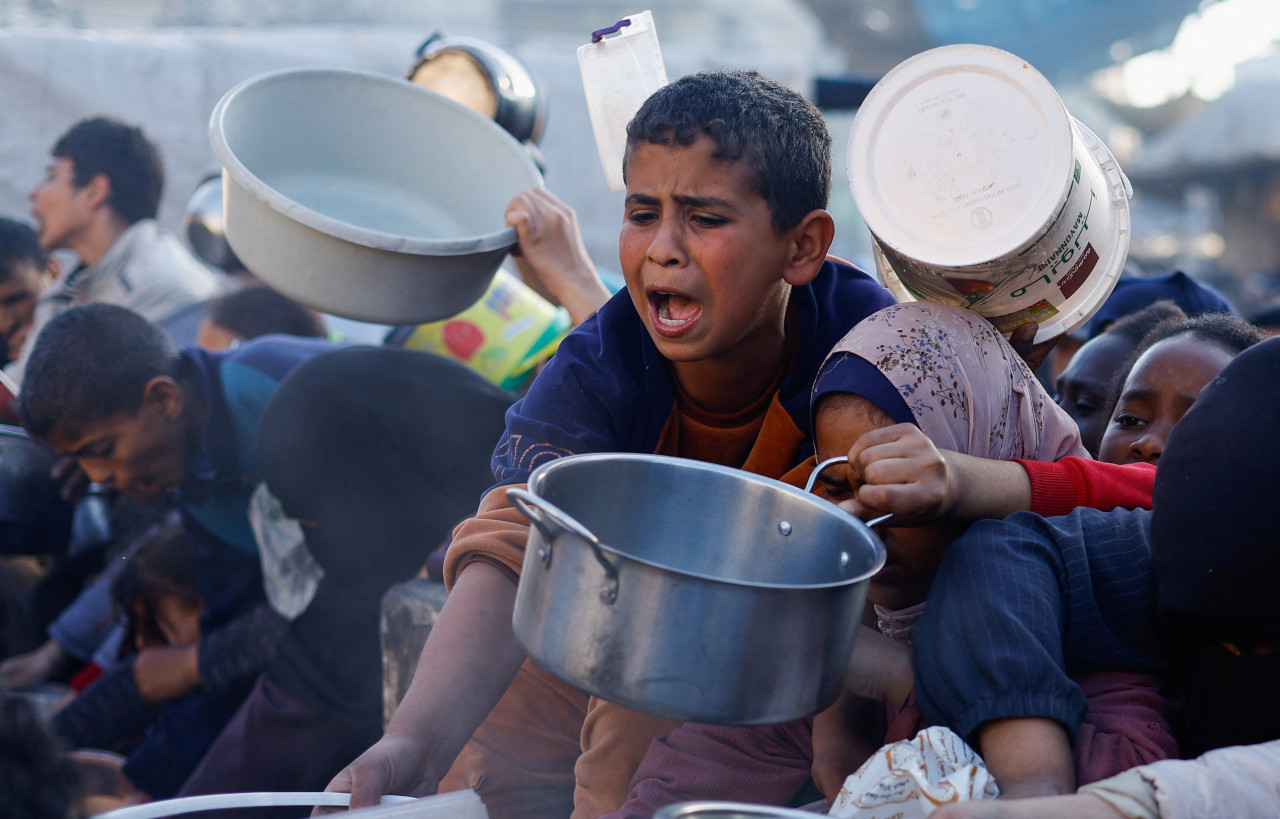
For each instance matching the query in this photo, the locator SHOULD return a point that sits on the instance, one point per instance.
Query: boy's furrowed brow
(687, 201)
(1185, 399)
(705, 202)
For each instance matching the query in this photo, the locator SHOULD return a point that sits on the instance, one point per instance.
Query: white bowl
(366, 196)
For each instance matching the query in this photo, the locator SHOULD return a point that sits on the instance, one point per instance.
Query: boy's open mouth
(674, 310)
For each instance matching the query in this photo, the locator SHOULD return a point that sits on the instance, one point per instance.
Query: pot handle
(822, 467)
(550, 520)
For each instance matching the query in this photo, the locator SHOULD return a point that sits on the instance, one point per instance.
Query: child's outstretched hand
(902, 472)
(880, 668)
(1023, 342)
(550, 255)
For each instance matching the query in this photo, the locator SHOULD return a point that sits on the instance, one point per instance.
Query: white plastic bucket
(981, 191)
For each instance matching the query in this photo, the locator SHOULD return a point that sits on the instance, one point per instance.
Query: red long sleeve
(1057, 487)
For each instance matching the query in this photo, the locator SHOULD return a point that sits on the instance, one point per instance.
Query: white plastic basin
(366, 196)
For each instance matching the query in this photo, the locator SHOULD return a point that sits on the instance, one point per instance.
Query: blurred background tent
(1181, 90)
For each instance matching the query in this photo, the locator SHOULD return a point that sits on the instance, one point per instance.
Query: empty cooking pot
(690, 590)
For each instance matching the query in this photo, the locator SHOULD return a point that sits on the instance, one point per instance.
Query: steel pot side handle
(550, 520)
(830, 462)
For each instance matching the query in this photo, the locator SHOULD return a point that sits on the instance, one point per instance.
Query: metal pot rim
(710, 808)
(540, 472)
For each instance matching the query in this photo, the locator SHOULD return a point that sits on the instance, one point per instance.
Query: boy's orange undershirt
(735, 439)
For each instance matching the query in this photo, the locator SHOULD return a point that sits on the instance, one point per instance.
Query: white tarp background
(168, 81)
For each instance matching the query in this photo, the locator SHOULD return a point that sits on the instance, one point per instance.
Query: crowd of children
(1080, 589)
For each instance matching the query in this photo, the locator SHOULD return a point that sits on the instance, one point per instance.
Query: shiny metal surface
(882, 520)
(202, 222)
(486, 78)
(694, 602)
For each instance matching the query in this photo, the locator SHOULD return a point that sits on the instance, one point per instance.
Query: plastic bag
(912, 778)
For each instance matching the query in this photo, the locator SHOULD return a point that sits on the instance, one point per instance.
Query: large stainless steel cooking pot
(366, 196)
(690, 590)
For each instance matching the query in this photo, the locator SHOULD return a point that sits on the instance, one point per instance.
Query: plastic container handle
(598, 35)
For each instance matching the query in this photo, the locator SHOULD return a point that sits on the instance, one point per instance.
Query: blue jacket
(608, 389)
(234, 387)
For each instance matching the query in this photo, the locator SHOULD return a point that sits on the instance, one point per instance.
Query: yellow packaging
(503, 336)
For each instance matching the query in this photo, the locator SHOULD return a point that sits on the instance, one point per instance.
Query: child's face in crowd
(140, 454)
(703, 264)
(61, 209)
(913, 552)
(1081, 390)
(18, 294)
(1160, 389)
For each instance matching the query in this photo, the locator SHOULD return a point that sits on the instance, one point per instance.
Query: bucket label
(1079, 273)
(1066, 249)
(1069, 249)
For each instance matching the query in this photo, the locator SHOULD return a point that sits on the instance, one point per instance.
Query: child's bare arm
(165, 673)
(467, 663)
(906, 474)
(844, 736)
(1028, 756)
(880, 668)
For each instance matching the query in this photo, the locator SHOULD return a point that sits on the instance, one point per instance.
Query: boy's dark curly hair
(258, 310)
(90, 363)
(19, 244)
(124, 155)
(1231, 333)
(779, 134)
(1134, 326)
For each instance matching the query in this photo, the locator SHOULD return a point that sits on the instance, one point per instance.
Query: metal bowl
(366, 196)
(492, 81)
(202, 222)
